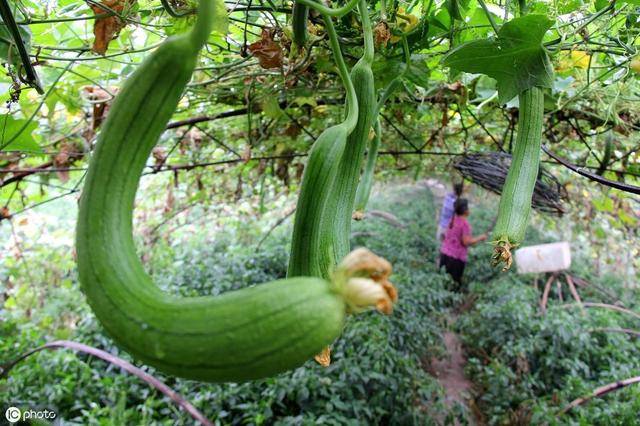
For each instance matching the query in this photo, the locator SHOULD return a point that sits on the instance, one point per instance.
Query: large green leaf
(8, 51)
(516, 58)
(418, 71)
(439, 22)
(16, 134)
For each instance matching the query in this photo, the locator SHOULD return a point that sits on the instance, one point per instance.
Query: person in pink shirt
(446, 214)
(457, 239)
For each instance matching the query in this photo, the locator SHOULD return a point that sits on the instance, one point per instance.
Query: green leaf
(516, 58)
(180, 25)
(385, 70)
(439, 22)
(418, 72)
(419, 36)
(305, 100)
(626, 218)
(220, 21)
(539, 8)
(17, 133)
(324, 63)
(457, 8)
(600, 4)
(600, 233)
(604, 204)
(8, 51)
(271, 108)
(568, 6)
(478, 26)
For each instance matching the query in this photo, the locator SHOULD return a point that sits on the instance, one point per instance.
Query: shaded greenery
(528, 366)
(525, 367)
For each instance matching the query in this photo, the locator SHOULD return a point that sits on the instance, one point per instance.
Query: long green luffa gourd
(351, 163)
(318, 246)
(517, 193)
(312, 251)
(366, 180)
(299, 17)
(515, 201)
(314, 232)
(240, 335)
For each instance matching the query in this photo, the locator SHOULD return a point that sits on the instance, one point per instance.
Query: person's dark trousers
(454, 267)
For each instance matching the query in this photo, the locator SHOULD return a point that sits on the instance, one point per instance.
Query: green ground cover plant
(528, 366)
(525, 367)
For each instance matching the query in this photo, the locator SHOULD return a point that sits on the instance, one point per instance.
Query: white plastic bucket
(543, 258)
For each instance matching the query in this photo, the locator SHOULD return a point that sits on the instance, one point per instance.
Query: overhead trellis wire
(489, 170)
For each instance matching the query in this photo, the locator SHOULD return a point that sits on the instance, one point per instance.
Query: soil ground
(450, 369)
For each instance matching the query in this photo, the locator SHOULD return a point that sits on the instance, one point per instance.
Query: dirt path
(450, 370)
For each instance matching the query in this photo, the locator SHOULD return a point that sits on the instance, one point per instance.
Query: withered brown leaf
(106, 29)
(5, 213)
(268, 52)
(381, 34)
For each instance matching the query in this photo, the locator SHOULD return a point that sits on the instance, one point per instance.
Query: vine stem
(204, 24)
(626, 311)
(599, 392)
(388, 91)
(367, 32)
(93, 58)
(327, 11)
(171, 11)
(489, 16)
(629, 331)
(407, 52)
(522, 4)
(428, 10)
(29, 21)
(352, 102)
(523, 7)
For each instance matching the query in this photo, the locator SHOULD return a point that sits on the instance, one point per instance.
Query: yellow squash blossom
(574, 59)
(405, 22)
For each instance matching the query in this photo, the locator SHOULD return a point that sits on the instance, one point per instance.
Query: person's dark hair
(457, 189)
(461, 206)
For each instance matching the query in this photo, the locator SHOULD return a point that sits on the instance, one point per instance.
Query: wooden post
(559, 289)
(574, 291)
(545, 294)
